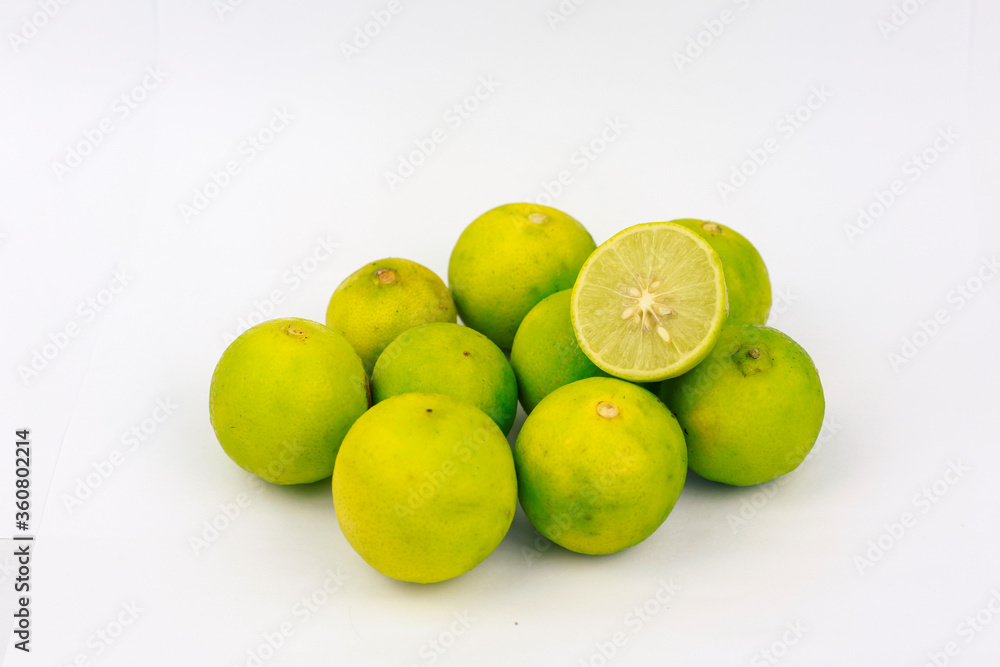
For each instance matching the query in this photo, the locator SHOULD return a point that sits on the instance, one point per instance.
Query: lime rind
(650, 302)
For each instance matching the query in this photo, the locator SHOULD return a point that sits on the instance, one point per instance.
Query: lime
(283, 395)
(445, 358)
(383, 299)
(650, 302)
(751, 410)
(509, 259)
(600, 464)
(545, 354)
(747, 282)
(424, 487)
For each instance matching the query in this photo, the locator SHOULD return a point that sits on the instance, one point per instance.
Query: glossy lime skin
(370, 310)
(424, 487)
(746, 275)
(545, 354)
(283, 396)
(752, 410)
(445, 358)
(600, 464)
(509, 259)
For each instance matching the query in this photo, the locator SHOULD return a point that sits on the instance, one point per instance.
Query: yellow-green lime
(545, 354)
(445, 358)
(752, 410)
(600, 464)
(383, 299)
(747, 280)
(510, 258)
(424, 487)
(283, 396)
(650, 302)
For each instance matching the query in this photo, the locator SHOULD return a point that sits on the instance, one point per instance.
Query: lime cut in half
(650, 302)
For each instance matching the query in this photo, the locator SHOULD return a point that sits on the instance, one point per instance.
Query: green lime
(650, 302)
(283, 395)
(747, 281)
(545, 354)
(509, 259)
(445, 358)
(751, 410)
(424, 487)
(383, 299)
(600, 464)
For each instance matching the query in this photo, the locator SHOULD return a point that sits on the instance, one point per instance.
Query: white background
(824, 550)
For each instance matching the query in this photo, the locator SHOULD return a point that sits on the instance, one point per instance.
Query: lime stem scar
(607, 410)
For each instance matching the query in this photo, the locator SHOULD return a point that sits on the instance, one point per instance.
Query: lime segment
(650, 302)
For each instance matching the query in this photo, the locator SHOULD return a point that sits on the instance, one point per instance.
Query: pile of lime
(635, 361)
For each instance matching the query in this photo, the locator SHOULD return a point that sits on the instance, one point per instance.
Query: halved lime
(650, 302)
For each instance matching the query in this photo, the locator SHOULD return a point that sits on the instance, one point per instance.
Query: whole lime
(600, 464)
(746, 275)
(383, 299)
(424, 487)
(545, 354)
(445, 358)
(752, 410)
(283, 396)
(510, 258)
